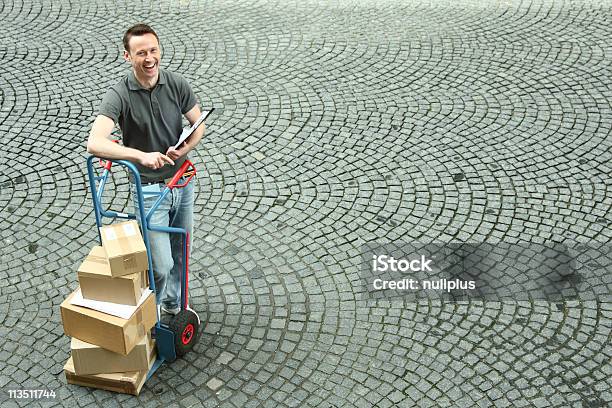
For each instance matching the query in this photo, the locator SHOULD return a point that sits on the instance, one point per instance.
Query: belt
(165, 181)
(148, 183)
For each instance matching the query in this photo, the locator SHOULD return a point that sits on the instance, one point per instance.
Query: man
(148, 104)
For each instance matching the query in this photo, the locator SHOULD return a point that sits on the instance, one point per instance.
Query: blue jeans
(176, 210)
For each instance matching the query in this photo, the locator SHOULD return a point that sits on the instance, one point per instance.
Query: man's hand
(175, 154)
(155, 160)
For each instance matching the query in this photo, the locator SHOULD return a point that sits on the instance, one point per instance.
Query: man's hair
(136, 30)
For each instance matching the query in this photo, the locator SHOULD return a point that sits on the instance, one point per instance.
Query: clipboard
(187, 131)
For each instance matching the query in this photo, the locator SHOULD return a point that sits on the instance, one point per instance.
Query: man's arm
(100, 145)
(192, 141)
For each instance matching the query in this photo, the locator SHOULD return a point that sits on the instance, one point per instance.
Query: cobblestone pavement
(338, 123)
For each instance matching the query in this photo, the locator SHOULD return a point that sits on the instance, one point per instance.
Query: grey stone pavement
(337, 123)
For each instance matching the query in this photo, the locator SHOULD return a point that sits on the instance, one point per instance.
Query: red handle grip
(187, 169)
(107, 164)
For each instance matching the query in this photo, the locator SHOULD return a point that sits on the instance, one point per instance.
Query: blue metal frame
(146, 226)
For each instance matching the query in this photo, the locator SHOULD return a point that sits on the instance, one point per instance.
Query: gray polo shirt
(150, 120)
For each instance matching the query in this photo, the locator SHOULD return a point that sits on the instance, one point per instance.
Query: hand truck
(180, 335)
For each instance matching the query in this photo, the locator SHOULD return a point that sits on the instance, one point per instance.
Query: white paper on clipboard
(187, 131)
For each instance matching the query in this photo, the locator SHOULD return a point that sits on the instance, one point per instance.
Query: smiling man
(148, 104)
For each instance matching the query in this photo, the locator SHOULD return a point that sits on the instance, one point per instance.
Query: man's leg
(159, 243)
(181, 216)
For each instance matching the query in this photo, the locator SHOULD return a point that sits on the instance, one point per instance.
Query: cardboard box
(91, 359)
(127, 383)
(97, 282)
(107, 331)
(124, 247)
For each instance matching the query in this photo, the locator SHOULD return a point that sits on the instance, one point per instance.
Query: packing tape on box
(141, 328)
(97, 259)
(129, 230)
(110, 234)
(140, 331)
(131, 245)
(135, 330)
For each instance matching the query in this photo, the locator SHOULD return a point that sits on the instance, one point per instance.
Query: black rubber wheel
(186, 329)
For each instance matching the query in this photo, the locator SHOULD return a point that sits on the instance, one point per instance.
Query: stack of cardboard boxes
(110, 315)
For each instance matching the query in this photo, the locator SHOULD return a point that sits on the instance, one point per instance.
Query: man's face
(144, 55)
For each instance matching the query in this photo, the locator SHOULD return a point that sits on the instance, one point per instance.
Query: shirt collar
(134, 85)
